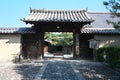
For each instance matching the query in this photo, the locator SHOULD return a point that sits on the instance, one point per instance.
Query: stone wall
(9, 46)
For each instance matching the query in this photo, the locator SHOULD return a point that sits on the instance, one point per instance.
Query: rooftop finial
(30, 9)
(86, 9)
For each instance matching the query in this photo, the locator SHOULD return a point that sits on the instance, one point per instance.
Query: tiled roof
(100, 19)
(100, 31)
(84, 31)
(58, 16)
(16, 30)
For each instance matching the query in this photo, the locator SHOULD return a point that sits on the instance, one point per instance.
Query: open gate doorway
(58, 45)
(34, 43)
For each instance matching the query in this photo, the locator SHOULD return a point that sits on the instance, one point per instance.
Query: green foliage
(114, 7)
(112, 55)
(60, 39)
(101, 54)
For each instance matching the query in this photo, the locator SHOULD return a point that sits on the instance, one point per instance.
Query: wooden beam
(76, 43)
(40, 44)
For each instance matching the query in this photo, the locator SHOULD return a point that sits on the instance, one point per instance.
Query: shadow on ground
(96, 71)
(27, 71)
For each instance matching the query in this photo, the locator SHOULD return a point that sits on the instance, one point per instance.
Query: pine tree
(114, 7)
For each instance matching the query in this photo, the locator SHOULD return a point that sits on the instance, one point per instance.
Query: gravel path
(96, 71)
(58, 70)
(19, 71)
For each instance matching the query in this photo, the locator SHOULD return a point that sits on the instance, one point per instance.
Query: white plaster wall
(9, 46)
(106, 40)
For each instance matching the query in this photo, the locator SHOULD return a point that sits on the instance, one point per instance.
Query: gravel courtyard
(57, 70)
(96, 71)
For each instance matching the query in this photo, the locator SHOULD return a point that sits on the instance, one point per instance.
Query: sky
(11, 11)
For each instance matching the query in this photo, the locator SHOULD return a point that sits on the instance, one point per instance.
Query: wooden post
(76, 44)
(40, 45)
(94, 54)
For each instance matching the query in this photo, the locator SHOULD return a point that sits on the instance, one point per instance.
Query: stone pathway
(57, 70)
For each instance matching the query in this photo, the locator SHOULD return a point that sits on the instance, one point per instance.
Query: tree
(62, 39)
(114, 7)
(65, 39)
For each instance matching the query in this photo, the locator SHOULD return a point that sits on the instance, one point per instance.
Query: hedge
(110, 55)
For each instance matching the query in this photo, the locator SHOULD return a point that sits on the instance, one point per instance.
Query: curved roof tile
(84, 31)
(58, 16)
(16, 30)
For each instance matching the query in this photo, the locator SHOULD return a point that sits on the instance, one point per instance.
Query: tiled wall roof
(16, 30)
(84, 30)
(100, 19)
(100, 31)
(58, 16)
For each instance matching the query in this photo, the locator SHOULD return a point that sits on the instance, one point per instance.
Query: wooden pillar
(76, 43)
(95, 55)
(40, 44)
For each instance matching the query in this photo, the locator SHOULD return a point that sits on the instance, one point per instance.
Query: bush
(101, 54)
(112, 55)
